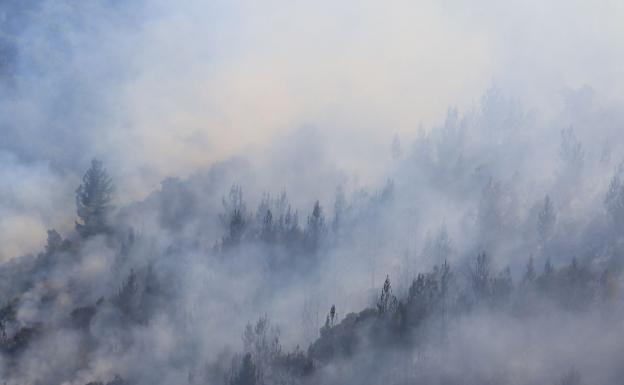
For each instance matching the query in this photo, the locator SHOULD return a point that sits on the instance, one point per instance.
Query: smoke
(162, 90)
(428, 131)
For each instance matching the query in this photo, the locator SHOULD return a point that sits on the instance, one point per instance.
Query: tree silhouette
(316, 229)
(247, 373)
(93, 201)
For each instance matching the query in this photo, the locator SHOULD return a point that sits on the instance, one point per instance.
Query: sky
(158, 89)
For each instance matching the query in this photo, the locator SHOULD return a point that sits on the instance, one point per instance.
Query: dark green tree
(235, 217)
(267, 232)
(316, 229)
(127, 299)
(54, 243)
(387, 302)
(481, 276)
(93, 201)
(546, 220)
(247, 373)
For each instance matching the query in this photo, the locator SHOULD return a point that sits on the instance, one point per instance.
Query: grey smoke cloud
(158, 89)
(306, 97)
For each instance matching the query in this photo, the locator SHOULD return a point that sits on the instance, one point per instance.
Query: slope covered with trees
(463, 266)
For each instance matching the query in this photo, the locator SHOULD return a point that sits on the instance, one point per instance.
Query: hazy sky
(510, 117)
(162, 88)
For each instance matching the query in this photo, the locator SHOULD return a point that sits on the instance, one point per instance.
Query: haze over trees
(163, 290)
(285, 193)
(93, 201)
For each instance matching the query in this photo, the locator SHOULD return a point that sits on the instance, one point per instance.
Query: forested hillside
(319, 192)
(461, 268)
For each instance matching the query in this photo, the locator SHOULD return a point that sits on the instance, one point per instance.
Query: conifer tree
(93, 201)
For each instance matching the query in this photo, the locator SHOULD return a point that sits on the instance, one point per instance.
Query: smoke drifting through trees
(160, 291)
(356, 236)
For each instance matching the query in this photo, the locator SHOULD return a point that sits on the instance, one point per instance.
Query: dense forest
(509, 287)
(299, 193)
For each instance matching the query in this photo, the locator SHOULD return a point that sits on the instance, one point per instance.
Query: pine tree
(127, 297)
(237, 228)
(247, 374)
(93, 201)
(502, 286)
(549, 269)
(316, 229)
(267, 233)
(387, 302)
(529, 272)
(481, 278)
(546, 281)
(235, 217)
(54, 243)
(546, 220)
